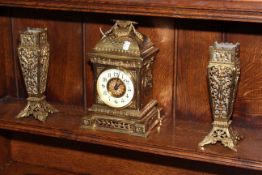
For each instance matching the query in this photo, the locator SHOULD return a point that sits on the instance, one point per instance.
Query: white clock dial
(115, 88)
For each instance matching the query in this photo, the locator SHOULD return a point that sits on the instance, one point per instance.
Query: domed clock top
(124, 39)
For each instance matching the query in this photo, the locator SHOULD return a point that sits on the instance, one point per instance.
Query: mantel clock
(122, 61)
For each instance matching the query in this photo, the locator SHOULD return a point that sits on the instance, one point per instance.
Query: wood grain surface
(2, 59)
(237, 10)
(7, 74)
(92, 25)
(194, 39)
(100, 160)
(16, 168)
(4, 150)
(161, 32)
(249, 97)
(91, 159)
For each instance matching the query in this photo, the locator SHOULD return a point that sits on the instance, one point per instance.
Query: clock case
(122, 47)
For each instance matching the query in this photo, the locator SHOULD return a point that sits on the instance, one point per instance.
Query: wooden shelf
(237, 10)
(179, 140)
(15, 168)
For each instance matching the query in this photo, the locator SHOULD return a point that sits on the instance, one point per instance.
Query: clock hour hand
(118, 83)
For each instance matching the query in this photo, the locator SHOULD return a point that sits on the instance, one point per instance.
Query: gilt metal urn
(223, 77)
(33, 53)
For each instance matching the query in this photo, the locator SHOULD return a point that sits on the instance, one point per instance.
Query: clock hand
(115, 87)
(118, 83)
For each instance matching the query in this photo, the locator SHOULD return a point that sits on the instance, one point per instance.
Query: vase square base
(222, 133)
(38, 108)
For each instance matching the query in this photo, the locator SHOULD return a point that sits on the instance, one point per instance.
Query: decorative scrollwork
(38, 108)
(139, 125)
(33, 53)
(124, 28)
(113, 124)
(221, 82)
(119, 63)
(224, 134)
(223, 76)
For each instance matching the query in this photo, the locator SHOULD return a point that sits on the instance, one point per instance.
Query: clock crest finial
(122, 38)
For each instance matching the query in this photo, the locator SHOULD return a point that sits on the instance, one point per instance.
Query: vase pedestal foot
(221, 132)
(38, 108)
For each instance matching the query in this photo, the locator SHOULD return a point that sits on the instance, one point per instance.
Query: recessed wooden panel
(7, 77)
(249, 96)
(97, 160)
(3, 21)
(92, 26)
(161, 32)
(65, 77)
(85, 158)
(194, 39)
(4, 149)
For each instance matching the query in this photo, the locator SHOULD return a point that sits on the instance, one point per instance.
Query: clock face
(115, 88)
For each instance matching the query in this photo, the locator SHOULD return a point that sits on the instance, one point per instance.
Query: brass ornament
(129, 122)
(223, 77)
(33, 53)
(122, 62)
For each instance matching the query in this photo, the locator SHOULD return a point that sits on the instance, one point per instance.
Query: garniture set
(122, 62)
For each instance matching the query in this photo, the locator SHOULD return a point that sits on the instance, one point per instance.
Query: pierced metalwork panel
(33, 53)
(223, 77)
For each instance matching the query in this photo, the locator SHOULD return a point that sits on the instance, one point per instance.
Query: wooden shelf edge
(192, 10)
(95, 139)
(52, 129)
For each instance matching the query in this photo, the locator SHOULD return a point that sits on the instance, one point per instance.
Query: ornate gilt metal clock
(122, 62)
